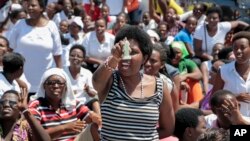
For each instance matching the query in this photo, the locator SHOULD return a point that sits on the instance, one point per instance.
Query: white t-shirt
(66, 48)
(95, 49)
(5, 85)
(38, 45)
(236, 84)
(211, 121)
(151, 25)
(85, 77)
(209, 42)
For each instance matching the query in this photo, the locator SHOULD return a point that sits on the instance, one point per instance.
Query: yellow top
(172, 4)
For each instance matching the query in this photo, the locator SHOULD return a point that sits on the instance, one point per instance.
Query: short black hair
(217, 96)
(80, 47)
(242, 34)
(224, 52)
(203, 6)
(10, 92)
(14, 14)
(6, 40)
(215, 134)
(12, 62)
(42, 3)
(215, 9)
(136, 33)
(184, 118)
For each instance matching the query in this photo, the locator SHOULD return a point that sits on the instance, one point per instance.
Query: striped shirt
(125, 118)
(49, 117)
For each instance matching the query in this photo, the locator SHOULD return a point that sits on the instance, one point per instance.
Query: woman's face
(241, 49)
(34, 9)
(131, 67)
(8, 106)
(154, 64)
(51, 9)
(120, 22)
(86, 20)
(170, 15)
(63, 26)
(213, 19)
(146, 18)
(216, 49)
(163, 31)
(198, 11)
(3, 47)
(100, 27)
(76, 57)
(105, 11)
(177, 58)
(54, 87)
(74, 29)
(191, 24)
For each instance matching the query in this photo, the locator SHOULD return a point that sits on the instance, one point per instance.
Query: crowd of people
(109, 70)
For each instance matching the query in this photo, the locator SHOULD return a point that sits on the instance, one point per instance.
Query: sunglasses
(10, 103)
(51, 83)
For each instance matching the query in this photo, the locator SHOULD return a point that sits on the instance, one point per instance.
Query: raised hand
(231, 111)
(90, 91)
(23, 99)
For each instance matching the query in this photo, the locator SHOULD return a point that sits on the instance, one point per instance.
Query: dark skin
(228, 112)
(242, 53)
(10, 115)
(131, 78)
(53, 94)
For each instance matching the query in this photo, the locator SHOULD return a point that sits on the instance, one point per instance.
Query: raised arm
(38, 132)
(152, 12)
(102, 77)
(198, 50)
(235, 24)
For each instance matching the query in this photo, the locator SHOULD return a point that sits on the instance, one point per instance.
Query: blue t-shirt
(185, 37)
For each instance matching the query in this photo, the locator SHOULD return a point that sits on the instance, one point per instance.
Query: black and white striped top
(127, 119)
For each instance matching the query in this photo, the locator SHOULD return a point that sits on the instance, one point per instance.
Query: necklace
(124, 88)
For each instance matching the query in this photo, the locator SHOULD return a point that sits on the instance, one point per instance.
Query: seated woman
(155, 66)
(190, 73)
(56, 108)
(98, 45)
(207, 65)
(15, 126)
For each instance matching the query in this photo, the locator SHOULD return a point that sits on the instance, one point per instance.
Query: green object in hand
(126, 50)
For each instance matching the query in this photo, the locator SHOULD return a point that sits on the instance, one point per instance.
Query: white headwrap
(68, 98)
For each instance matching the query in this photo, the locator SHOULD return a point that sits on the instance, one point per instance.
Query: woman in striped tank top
(133, 103)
